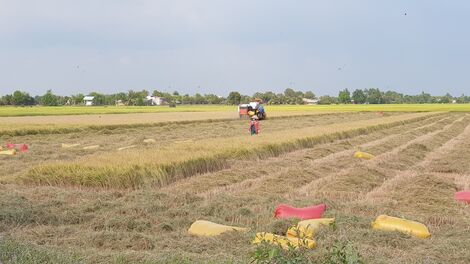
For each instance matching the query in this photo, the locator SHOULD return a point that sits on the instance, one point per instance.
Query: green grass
(81, 110)
(15, 252)
(90, 110)
(373, 108)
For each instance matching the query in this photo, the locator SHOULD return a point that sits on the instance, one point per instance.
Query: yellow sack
(9, 152)
(389, 223)
(251, 113)
(284, 242)
(206, 228)
(307, 228)
(363, 155)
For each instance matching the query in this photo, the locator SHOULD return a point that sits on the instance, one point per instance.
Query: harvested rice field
(119, 193)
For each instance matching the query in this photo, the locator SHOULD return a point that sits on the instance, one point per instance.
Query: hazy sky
(215, 46)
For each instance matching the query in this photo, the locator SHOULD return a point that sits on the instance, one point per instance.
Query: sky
(218, 46)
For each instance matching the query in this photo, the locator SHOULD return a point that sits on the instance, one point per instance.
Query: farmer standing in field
(254, 125)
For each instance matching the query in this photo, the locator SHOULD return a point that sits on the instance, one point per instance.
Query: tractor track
(395, 176)
(266, 179)
(372, 164)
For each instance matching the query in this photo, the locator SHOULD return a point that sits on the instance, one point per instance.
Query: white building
(88, 100)
(310, 101)
(119, 103)
(155, 100)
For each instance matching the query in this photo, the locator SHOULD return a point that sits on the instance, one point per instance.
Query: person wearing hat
(254, 125)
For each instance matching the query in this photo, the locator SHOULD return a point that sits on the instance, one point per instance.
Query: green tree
(199, 99)
(267, 97)
(139, 98)
(391, 97)
(328, 100)
(99, 99)
(245, 99)
(140, 101)
(299, 101)
(359, 96)
(462, 99)
(64, 100)
(77, 99)
(446, 99)
(157, 93)
(374, 96)
(344, 96)
(213, 99)
(234, 98)
(289, 92)
(187, 99)
(309, 95)
(6, 100)
(49, 99)
(291, 96)
(20, 98)
(423, 98)
(121, 96)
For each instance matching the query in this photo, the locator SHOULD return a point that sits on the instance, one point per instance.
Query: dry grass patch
(134, 168)
(45, 148)
(149, 225)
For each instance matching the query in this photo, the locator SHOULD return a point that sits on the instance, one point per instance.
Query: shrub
(343, 253)
(266, 253)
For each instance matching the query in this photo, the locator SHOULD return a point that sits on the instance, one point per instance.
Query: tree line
(289, 96)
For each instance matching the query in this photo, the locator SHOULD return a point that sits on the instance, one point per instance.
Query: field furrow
(134, 169)
(236, 177)
(387, 148)
(47, 147)
(366, 176)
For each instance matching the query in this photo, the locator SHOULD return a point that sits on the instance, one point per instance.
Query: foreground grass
(81, 110)
(14, 252)
(134, 169)
(149, 225)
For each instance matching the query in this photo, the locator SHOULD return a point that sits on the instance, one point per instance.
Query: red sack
(463, 196)
(311, 212)
(23, 148)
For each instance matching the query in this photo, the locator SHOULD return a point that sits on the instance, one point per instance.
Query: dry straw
(168, 164)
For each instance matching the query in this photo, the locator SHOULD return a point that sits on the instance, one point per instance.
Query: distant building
(88, 100)
(155, 100)
(119, 103)
(310, 101)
